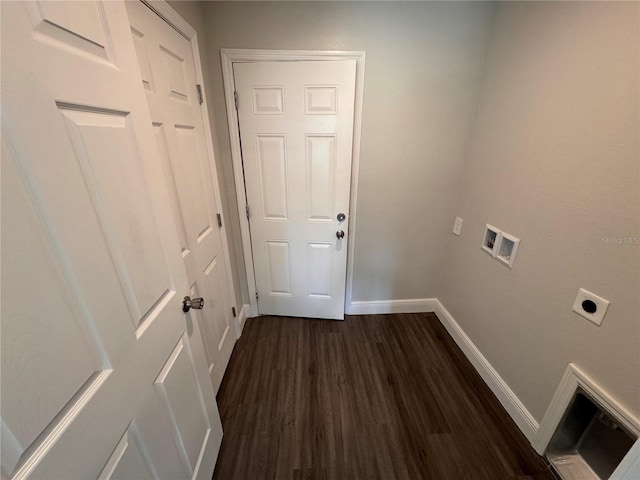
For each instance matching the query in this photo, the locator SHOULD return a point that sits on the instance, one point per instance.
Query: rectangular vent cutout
(589, 443)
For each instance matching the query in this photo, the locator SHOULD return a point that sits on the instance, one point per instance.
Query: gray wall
(554, 160)
(423, 72)
(551, 151)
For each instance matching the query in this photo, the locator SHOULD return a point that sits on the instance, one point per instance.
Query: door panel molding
(229, 57)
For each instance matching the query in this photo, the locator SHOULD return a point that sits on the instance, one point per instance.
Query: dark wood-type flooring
(374, 397)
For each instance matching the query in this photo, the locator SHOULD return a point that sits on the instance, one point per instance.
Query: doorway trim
(229, 56)
(173, 18)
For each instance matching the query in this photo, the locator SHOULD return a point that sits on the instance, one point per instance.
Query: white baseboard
(242, 318)
(512, 404)
(411, 305)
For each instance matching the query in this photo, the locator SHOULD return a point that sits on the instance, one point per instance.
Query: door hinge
(233, 311)
(235, 99)
(200, 97)
(257, 296)
(247, 209)
(219, 220)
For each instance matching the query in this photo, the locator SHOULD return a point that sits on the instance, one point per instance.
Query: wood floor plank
(374, 397)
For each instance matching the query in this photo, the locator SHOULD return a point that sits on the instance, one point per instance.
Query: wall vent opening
(589, 442)
(586, 434)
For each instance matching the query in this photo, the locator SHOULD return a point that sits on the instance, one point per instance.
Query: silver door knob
(188, 303)
(340, 234)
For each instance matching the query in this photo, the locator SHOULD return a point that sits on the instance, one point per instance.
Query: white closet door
(103, 375)
(169, 79)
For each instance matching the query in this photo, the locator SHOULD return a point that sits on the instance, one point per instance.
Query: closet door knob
(188, 303)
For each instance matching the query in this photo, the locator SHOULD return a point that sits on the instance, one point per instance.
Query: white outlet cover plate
(601, 303)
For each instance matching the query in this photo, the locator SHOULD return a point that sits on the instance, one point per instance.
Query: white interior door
(169, 78)
(103, 375)
(296, 128)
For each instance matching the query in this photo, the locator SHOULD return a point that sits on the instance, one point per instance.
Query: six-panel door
(168, 76)
(103, 376)
(296, 127)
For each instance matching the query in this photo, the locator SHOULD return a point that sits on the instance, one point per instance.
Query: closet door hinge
(233, 311)
(235, 99)
(247, 210)
(200, 97)
(257, 296)
(219, 220)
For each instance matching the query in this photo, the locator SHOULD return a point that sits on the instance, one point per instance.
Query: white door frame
(169, 15)
(228, 57)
